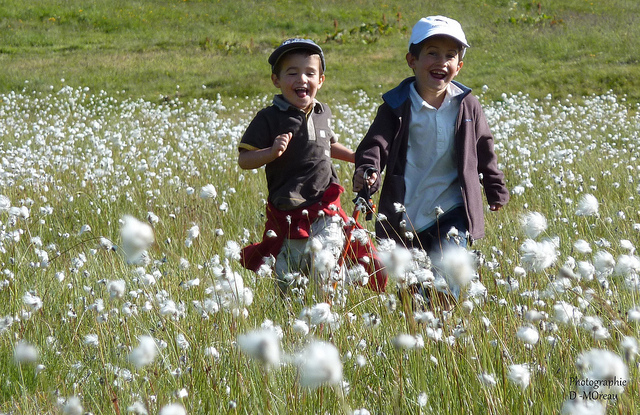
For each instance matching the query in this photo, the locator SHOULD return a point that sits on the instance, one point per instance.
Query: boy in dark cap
(293, 140)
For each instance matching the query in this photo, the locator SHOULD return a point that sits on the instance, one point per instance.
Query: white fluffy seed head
(533, 224)
(319, 363)
(588, 206)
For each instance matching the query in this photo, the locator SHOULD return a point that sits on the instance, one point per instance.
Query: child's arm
(340, 152)
(492, 177)
(252, 159)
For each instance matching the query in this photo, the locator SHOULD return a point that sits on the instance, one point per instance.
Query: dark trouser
(434, 239)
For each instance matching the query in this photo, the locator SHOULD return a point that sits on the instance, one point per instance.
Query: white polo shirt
(431, 173)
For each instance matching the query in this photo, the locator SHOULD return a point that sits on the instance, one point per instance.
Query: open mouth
(302, 92)
(438, 74)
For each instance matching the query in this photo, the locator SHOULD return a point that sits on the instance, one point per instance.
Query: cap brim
(281, 50)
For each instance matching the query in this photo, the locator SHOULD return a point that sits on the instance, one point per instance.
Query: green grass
(148, 48)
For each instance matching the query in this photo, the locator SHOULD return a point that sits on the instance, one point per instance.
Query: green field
(95, 131)
(155, 49)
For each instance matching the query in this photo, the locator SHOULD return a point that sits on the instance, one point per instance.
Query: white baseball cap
(437, 25)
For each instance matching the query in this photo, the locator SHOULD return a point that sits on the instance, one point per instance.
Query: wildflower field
(120, 289)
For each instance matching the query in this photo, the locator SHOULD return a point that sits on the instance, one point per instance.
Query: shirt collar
(283, 105)
(417, 102)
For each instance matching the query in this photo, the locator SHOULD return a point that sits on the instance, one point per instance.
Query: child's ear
(321, 81)
(411, 60)
(275, 80)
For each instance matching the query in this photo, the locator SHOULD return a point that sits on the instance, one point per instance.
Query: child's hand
(495, 207)
(358, 181)
(280, 144)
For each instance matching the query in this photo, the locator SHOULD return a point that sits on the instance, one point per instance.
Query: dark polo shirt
(300, 176)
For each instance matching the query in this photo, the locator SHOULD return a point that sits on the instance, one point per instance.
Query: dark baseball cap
(295, 43)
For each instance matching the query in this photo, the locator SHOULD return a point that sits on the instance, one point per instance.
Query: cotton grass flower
(633, 316)
(319, 363)
(5, 203)
(232, 250)
(457, 267)
(579, 406)
(137, 408)
(567, 314)
(487, 380)
(519, 375)
(192, 235)
(116, 289)
(627, 266)
(212, 352)
(32, 301)
(629, 346)
(173, 409)
(627, 245)
(603, 366)
(263, 345)
(398, 261)
(585, 270)
(588, 206)
(145, 353)
(182, 342)
(423, 399)
(582, 246)
(528, 335)
(136, 237)
(317, 314)
(533, 224)
(208, 192)
(594, 326)
(300, 327)
(91, 340)
(604, 263)
(538, 256)
(73, 406)
(405, 342)
(25, 352)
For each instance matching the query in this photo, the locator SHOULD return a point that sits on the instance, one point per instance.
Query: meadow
(121, 291)
(123, 209)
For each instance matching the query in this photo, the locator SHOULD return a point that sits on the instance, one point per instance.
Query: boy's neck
(433, 98)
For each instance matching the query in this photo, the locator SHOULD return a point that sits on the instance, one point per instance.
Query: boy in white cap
(293, 139)
(432, 137)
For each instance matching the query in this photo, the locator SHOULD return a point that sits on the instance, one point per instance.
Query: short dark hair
(275, 69)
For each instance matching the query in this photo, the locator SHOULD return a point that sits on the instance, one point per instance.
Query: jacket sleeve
(492, 177)
(373, 150)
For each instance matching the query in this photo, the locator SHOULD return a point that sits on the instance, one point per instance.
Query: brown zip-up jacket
(385, 146)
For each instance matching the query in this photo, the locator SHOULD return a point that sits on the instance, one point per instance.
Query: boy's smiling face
(299, 78)
(436, 66)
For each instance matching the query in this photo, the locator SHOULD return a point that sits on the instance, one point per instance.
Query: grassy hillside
(201, 48)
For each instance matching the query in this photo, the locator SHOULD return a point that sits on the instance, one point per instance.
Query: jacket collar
(398, 95)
